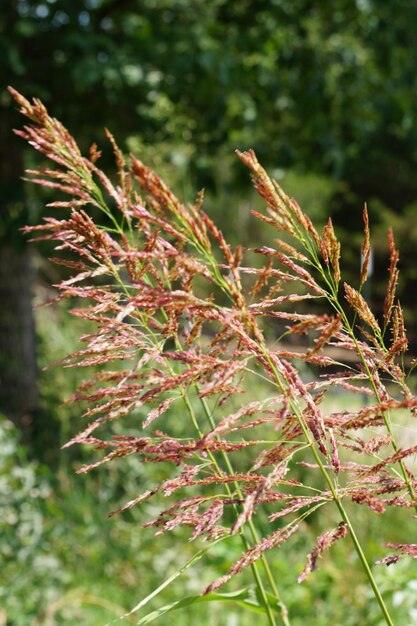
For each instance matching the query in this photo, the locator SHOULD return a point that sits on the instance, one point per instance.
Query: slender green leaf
(243, 597)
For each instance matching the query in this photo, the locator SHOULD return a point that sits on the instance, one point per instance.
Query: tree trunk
(18, 371)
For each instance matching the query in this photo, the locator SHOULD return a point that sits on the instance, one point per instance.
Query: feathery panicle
(178, 322)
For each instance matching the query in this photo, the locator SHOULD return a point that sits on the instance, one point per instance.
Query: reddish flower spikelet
(158, 411)
(311, 229)
(409, 549)
(399, 338)
(328, 331)
(278, 202)
(299, 271)
(366, 248)
(362, 496)
(393, 278)
(331, 247)
(207, 523)
(374, 445)
(294, 504)
(359, 304)
(291, 251)
(324, 542)
(272, 541)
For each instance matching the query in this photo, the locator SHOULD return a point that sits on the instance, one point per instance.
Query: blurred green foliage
(329, 88)
(326, 89)
(31, 571)
(326, 93)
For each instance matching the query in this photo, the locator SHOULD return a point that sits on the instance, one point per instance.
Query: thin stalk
(167, 582)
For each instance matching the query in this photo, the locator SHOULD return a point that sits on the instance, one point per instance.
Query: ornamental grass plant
(180, 321)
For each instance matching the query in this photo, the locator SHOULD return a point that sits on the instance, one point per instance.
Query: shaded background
(325, 92)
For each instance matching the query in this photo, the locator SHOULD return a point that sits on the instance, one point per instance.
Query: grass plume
(179, 318)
